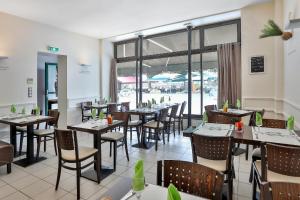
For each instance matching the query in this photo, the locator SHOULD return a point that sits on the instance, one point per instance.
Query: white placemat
(29, 118)
(213, 129)
(152, 192)
(237, 111)
(275, 135)
(91, 124)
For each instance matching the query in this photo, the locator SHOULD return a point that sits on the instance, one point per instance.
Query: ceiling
(108, 18)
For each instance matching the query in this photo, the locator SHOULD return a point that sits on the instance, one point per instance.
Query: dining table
(233, 113)
(250, 135)
(143, 112)
(96, 128)
(122, 191)
(100, 106)
(27, 120)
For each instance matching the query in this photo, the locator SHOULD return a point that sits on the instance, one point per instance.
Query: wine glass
(138, 185)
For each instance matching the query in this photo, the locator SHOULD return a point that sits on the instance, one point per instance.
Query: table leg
(144, 144)
(91, 172)
(30, 159)
(13, 139)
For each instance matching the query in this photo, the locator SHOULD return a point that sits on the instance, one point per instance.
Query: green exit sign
(53, 49)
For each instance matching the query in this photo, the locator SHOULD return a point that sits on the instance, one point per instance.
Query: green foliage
(271, 29)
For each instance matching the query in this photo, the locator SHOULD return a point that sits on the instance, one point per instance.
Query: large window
(165, 65)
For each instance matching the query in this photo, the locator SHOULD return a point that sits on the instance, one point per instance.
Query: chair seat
(112, 136)
(256, 154)
(276, 177)
(87, 114)
(219, 165)
(83, 152)
(135, 123)
(21, 128)
(153, 124)
(43, 132)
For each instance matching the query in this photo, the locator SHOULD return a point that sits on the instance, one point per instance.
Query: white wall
(292, 64)
(106, 55)
(22, 39)
(262, 90)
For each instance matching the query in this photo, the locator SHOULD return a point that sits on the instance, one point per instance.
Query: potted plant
(272, 29)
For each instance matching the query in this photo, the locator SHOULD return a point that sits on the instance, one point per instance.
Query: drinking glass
(138, 185)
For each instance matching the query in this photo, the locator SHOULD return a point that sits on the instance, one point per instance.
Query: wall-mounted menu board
(257, 64)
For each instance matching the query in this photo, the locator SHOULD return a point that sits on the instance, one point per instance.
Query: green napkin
(138, 182)
(291, 123)
(37, 110)
(258, 119)
(13, 108)
(225, 104)
(238, 103)
(23, 111)
(162, 99)
(101, 115)
(94, 113)
(173, 193)
(205, 118)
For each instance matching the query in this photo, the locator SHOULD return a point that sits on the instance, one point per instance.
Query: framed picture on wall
(257, 64)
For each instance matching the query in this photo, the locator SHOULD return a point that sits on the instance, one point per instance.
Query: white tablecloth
(275, 135)
(92, 124)
(213, 129)
(154, 192)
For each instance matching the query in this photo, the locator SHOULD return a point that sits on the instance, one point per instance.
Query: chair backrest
(190, 178)
(66, 140)
(33, 112)
(55, 114)
(280, 159)
(279, 191)
(212, 148)
(274, 123)
(125, 106)
(182, 108)
(253, 117)
(217, 118)
(84, 104)
(112, 107)
(163, 113)
(210, 107)
(174, 110)
(123, 116)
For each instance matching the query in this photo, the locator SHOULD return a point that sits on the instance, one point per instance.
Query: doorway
(51, 86)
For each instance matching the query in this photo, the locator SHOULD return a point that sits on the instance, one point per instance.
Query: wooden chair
(170, 120)
(112, 107)
(218, 118)
(70, 152)
(86, 113)
(279, 191)
(256, 153)
(6, 155)
(125, 106)
(117, 136)
(157, 126)
(191, 178)
(210, 107)
(22, 130)
(215, 153)
(279, 164)
(179, 117)
(48, 133)
(132, 124)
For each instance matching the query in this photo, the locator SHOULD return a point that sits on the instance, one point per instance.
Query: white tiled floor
(38, 181)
